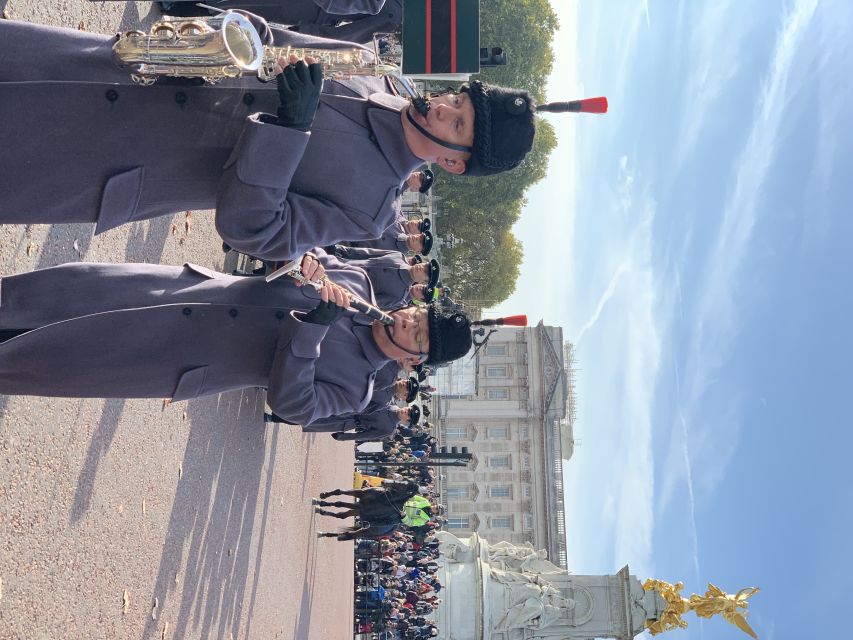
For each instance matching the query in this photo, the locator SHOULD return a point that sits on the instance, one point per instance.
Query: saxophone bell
(223, 46)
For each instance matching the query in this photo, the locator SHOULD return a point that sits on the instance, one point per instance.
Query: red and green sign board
(441, 36)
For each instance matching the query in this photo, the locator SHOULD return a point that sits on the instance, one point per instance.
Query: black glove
(324, 313)
(299, 89)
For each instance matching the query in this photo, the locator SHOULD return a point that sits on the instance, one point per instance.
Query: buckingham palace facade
(512, 405)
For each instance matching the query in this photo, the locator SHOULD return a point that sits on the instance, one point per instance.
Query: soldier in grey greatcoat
(378, 425)
(396, 239)
(378, 420)
(391, 273)
(139, 330)
(92, 146)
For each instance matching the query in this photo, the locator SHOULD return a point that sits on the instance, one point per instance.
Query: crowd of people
(396, 579)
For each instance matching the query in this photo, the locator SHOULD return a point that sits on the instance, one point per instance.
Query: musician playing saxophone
(93, 146)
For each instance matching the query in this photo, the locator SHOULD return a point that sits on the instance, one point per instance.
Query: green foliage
(481, 211)
(486, 268)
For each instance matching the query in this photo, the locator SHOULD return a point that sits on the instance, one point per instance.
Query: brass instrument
(292, 270)
(226, 46)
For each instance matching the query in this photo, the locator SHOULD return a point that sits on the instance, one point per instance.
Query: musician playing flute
(153, 331)
(286, 168)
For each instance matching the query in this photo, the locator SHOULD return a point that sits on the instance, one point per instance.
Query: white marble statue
(523, 557)
(534, 602)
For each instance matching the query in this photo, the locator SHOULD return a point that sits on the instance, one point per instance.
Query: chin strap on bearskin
(480, 331)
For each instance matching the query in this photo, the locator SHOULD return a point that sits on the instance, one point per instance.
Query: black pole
(455, 463)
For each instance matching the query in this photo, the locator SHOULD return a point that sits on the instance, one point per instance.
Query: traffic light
(453, 454)
(494, 57)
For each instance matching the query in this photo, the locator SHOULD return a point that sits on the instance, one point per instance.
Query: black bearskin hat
(449, 335)
(504, 127)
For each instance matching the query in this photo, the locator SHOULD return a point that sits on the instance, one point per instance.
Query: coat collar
(380, 115)
(384, 118)
(402, 246)
(364, 335)
(405, 276)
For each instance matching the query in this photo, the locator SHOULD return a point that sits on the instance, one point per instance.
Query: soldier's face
(407, 338)
(414, 181)
(450, 119)
(419, 292)
(401, 389)
(416, 242)
(420, 272)
(412, 226)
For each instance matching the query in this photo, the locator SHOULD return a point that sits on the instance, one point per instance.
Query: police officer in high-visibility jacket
(417, 511)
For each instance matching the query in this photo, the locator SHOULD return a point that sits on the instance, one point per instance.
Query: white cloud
(717, 316)
(602, 301)
(612, 497)
(715, 53)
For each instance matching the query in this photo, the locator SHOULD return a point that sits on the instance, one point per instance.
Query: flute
(292, 270)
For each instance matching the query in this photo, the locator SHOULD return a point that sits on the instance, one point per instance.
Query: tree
(485, 271)
(482, 211)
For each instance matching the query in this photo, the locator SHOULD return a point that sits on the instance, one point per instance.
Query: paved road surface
(196, 510)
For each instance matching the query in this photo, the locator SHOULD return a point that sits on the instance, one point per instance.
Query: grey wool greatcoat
(139, 330)
(378, 419)
(388, 270)
(379, 424)
(392, 239)
(91, 146)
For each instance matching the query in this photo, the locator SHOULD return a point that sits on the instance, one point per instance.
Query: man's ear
(452, 165)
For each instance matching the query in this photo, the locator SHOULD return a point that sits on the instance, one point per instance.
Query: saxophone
(226, 46)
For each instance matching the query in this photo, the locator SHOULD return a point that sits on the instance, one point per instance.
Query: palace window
(500, 491)
(499, 462)
(497, 393)
(458, 522)
(500, 522)
(455, 433)
(457, 492)
(496, 350)
(497, 433)
(496, 372)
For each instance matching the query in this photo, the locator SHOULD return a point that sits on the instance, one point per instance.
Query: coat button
(111, 95)
(187, 311)
(181, 97)
(279, 315)
(233, 313)
(248, 99)
(372, 138)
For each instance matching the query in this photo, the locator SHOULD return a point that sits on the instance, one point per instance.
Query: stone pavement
(195, 511)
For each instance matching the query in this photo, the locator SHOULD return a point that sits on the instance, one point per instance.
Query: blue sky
(699, 255)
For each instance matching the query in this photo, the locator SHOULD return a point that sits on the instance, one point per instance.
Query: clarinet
(292, 270)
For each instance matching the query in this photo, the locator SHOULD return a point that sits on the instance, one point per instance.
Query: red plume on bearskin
(509, 321)
(514, 321)
(588, 105)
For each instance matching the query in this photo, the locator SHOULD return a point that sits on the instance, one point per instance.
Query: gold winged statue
(733, 607)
